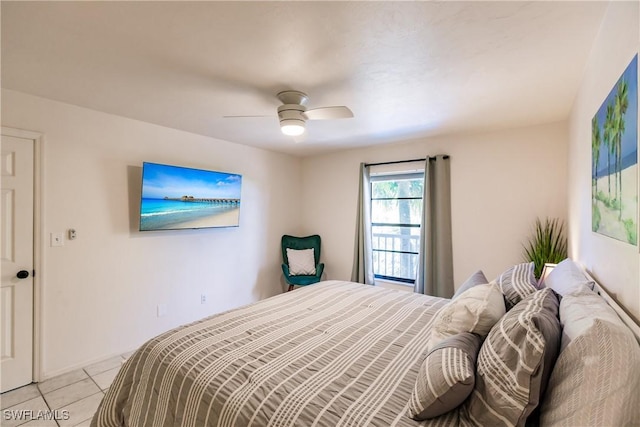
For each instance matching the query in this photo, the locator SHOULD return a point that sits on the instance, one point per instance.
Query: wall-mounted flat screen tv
(175, 198)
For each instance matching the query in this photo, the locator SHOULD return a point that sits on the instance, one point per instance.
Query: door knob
(22, 274)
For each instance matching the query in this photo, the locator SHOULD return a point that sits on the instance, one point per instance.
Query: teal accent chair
(299, 243)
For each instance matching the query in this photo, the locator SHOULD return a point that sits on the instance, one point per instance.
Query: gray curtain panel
(435, 266)
(363, 255)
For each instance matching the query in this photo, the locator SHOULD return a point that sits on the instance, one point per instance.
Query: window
(396, 209)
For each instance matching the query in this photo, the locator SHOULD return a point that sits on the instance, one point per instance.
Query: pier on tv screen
(175, 198)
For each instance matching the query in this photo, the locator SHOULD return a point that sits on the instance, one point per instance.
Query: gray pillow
(517, 282)
(567, 277)
(595, 381)
(515, 362)
(446, 377)
(477, 278)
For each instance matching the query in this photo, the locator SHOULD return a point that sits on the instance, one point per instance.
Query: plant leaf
(547, 244)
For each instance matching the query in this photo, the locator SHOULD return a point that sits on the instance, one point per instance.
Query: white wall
(500, 183)
(614, 264)
(100, 292)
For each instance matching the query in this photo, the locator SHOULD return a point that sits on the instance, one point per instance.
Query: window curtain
(435, 264)
(362, 271)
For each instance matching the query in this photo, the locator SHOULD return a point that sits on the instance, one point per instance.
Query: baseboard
(77, 366)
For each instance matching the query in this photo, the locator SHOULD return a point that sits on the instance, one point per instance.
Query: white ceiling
(406, 69)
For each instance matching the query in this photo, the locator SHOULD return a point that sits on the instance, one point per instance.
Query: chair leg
(290, 288)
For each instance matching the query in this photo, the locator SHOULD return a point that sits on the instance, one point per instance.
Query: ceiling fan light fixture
(292, 127)
(293, 113)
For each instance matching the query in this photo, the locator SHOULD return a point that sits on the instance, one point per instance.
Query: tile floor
(72, 397)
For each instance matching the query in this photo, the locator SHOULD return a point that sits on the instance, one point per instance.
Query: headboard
(628, 320)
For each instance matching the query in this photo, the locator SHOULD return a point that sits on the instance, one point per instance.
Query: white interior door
(16, 241)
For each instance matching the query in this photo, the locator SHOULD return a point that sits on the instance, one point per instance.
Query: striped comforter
(330, 354)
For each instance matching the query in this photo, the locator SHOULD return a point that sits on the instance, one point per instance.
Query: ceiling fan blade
(326, 113)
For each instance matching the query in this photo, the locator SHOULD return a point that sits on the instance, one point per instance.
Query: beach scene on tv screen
(176, 197)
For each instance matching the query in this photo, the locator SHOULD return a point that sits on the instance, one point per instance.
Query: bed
(331, 354)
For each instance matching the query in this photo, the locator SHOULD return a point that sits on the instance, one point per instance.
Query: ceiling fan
(293, 113)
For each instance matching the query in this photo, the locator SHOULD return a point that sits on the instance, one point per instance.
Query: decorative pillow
(477, 278)
(517, 283)
(301, 262)
(595, 381)
(567, 277)
(446, 377)
(515, 362)
(475, 310)
(578, 311)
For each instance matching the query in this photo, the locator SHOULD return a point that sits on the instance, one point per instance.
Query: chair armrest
(319, 270)
(285, 270)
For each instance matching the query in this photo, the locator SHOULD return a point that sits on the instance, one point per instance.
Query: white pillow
(475, 310)
(578, 311)
(301, 262)
(567, 277)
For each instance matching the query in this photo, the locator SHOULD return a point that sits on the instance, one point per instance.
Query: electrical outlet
(203, 299)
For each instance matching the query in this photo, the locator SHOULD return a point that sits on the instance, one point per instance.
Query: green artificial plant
(547, 244)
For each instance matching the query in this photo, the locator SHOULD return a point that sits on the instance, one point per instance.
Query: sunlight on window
(396, 208)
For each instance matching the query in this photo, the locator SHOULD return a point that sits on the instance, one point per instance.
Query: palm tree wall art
(614, 148)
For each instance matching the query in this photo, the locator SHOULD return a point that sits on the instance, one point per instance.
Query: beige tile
(81, 410)
(105, 379)
(23, 412)
(105, 365)
(18, 395)
(85, 423)
(71, 393)
(62, 381)
(40, 423)
(127, 354)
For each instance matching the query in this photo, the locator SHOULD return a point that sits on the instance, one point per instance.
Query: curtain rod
(400, 161)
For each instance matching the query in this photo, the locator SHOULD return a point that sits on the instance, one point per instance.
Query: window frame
(394, 176)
